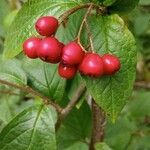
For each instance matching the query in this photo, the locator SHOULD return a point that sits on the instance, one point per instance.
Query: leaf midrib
(34, 125)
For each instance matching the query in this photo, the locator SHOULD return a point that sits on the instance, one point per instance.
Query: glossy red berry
(67, 72)
(50, 50)
(30, 47)
(72, 54)
(46, 25)
(111, 64)
(92, 65)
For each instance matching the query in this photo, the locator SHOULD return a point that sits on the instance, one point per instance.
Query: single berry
(49, 50)
(47, 25)
(72, 54)
(111, 64)
(92, 65)
(30, 47)
(67, 72)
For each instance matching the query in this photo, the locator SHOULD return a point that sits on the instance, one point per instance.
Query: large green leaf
(23, 25)
(74, 133)
(123, 6)
(111, 35)
(44, 78)
(11, 71)
(32, 129)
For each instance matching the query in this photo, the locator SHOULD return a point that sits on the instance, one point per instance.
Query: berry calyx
(67, 72)
(50, 50)
(111, 64)
(47, 25)
(72, 54)
(92, 65)
(31, 46)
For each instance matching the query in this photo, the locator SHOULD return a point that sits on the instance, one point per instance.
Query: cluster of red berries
(71, 56)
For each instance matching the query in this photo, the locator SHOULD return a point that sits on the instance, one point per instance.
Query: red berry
(92, 65)
(47, 25)
(72, 54)
(49, 50)
(67, 72)
(30, 47)
(111, 64)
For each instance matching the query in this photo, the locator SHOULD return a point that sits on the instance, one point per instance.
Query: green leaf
(12, 71)
(9, 19)
(123, 6)
(102, 146)
(23, 25)
(44, 78)
(12, 102)
(71, 31)
(4, 9)
(32, 129)
(144, 20)
(118, 135)
(139, 106)
(75, 130)
(7, 108)
(140, 142)
(110, 35)
(56, 85)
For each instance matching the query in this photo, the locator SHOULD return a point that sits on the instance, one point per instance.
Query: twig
(88, 46)
(82, 23)
(65, 15)
(14, 4)
(62, 112)
(35, 93)
(98, 125)
(142, 84)
(90, 36)
(70, 106)
(8, 92)
(88, 30)
(74, 100)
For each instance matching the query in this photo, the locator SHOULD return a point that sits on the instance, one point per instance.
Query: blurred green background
(132, 130)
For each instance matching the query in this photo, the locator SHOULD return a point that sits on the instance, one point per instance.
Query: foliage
(28, 123)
